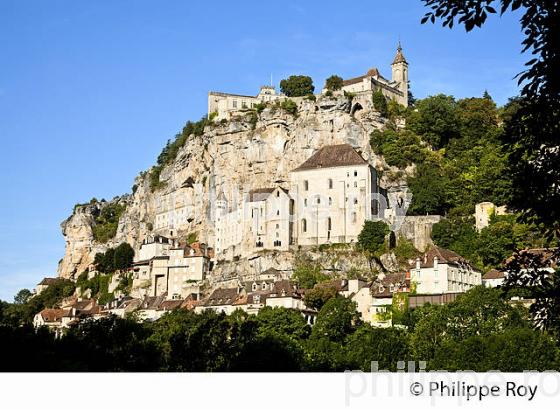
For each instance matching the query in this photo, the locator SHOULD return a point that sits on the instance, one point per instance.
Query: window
(278, 212)
(355, 201)
(305, 202)
(277, 194)
(234, 103)
(355, 173)
(330, 200)
(354, 217)
(305, 185)
(355, 184)
(330, 183)
(329, 224)
(264, 286)
(318, 200)
(304, 225)
(277, 226)
(254, 287)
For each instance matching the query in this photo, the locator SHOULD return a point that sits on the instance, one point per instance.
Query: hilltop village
(272, 187)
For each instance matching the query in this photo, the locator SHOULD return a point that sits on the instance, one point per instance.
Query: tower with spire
(400, 72)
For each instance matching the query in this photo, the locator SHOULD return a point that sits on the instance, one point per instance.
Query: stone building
(443, 271)
(330, 197)
(484, 211)
(394, 89)
(333, 194)
(165, 267)
(225, 105)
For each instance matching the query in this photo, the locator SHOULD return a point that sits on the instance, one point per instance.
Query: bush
(333, 83)
(380, 103)
(297, 86)
(289, 106)
(107, 221)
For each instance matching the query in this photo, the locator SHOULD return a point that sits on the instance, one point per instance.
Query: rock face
(229, 157)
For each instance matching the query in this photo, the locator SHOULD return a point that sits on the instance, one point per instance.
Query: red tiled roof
(493, 274)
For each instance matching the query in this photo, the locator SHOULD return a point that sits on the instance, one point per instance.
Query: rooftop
(342, 155)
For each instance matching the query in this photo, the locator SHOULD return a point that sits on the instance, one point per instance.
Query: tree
(337, 319)
(372, 237)
(334, 83)
(435, 119)
(380, 103)
(308, 273)
(297, 86)
(316, 298)
(282, 322)
(384, 346)
(429, 190)
(123, 256)
(22, 296)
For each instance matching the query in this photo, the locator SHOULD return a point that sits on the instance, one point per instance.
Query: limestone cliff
(229, 156)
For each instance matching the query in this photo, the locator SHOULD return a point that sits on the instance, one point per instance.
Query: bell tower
(400, 75)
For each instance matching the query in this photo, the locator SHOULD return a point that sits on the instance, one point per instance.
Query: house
(493, 278)
(44, 284)
(374, 300)
(54, 319)
(443, 271)
(221, 301)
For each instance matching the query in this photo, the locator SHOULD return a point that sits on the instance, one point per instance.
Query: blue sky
(91, 90)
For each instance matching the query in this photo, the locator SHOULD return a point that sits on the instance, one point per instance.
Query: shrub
(289, 106)
(380, 103)
(107, 221)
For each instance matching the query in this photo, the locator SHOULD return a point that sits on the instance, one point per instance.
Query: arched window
(305, 185)
(330, 183)
(304, 225)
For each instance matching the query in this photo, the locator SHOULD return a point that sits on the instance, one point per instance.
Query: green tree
(429, 190)
(308, 273)
(297, 86)
(435, 119)
(380, 103)
(123, 256)
(317, 297)
(334, 83)
(22, 296)
(372, 237)
(337, 319)
(384, 346)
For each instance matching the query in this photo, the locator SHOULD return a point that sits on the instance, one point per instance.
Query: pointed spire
(399, 58)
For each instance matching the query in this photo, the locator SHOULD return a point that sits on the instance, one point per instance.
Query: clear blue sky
(91, 90)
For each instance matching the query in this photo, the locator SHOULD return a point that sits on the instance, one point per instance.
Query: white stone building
(333, 196)
(394, 89)
(443, 271)
(225, 105)
(484, 211)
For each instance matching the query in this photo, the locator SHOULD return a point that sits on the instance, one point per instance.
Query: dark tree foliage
(532, 129)
(333, 83)
(123, 256)
(297, 86)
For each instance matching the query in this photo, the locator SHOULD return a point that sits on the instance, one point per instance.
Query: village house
(44, 284)
(443, 271)
(163, 266)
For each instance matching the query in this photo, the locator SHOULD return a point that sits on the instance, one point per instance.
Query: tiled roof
(222, 297)
(259, 194)
(399, 58)
(372, 72)
(493, 274)
(382, 288)
(48, 281)
(52, 315)
(443, 255)
(171, 304)
(284, 288)
(333, 156)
